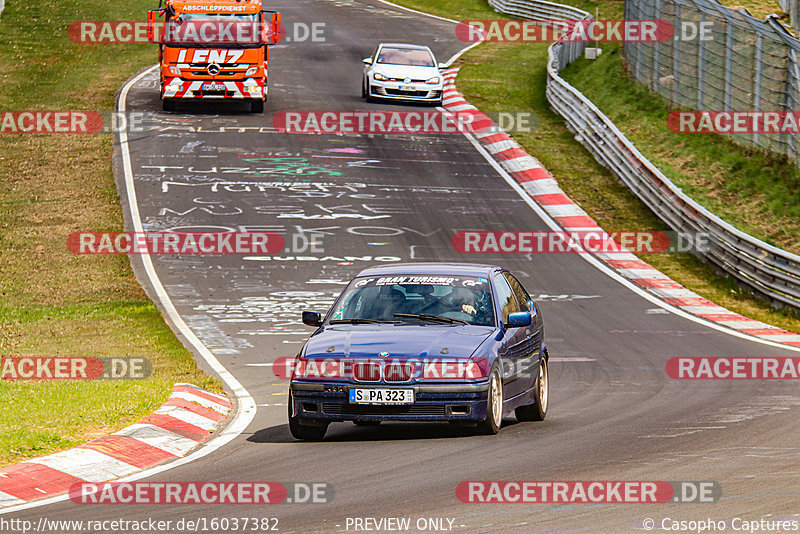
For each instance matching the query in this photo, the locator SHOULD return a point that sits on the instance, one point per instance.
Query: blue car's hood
(412, 341)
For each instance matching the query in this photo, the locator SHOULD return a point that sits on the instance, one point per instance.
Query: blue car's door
(514, 349)
(529, 360)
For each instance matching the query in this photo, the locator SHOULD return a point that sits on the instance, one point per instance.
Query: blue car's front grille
(367, 409)
(367, 371)
(374, 371)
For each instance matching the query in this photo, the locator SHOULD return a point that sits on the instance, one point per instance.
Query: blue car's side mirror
(312, 318)
(519, 319)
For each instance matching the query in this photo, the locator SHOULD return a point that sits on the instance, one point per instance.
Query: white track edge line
(246, 408)
(602, 267)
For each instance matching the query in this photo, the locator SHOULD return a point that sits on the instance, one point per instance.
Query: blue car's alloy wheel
(494, 403)
(538, 410)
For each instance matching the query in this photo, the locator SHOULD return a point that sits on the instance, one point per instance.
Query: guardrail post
(638, 63)
(729, 66)
(757, 88)
(659, 7)
(701, 66)
(677, 44)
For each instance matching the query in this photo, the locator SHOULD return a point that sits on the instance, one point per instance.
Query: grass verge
(53, 303)
(512, 77)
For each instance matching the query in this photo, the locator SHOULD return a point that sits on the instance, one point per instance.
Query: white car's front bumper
(405, 91)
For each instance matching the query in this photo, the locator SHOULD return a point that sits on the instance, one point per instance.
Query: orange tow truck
(213, 49)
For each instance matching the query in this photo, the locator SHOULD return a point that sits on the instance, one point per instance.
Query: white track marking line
(246, 405)
(549, 221)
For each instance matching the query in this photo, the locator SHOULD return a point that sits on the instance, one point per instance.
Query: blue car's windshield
(463, 299)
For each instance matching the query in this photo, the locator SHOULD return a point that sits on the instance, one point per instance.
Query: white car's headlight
(380, 77)
(433, 80)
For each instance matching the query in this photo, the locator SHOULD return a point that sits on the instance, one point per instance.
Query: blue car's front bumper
(329, 401)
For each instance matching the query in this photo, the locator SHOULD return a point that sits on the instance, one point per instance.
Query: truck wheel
(168, 104)
(257, 106)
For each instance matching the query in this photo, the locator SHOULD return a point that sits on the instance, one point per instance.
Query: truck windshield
(204, 29)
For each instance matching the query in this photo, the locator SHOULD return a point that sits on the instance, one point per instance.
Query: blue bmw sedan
(422, 342)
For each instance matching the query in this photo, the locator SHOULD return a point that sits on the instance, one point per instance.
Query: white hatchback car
(402, 72)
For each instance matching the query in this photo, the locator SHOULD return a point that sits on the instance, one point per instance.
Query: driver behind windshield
(427, 304)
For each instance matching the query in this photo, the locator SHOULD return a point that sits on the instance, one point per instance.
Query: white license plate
(213, 87)
(381, 396)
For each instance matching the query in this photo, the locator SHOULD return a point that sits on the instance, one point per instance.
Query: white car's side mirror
(442, 65)
(367, 61)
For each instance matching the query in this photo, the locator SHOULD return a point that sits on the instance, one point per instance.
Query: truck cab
(213, 49)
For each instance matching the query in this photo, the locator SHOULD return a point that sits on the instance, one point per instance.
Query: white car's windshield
(417, 298)
(405, 56)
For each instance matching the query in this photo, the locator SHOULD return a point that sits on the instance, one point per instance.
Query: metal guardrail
(768, 270)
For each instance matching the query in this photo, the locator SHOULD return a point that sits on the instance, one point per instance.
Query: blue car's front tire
(538, 410)
(494, 403)
(307, 431)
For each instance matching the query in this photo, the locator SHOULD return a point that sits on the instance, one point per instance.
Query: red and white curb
(544, 190)
(185, 420)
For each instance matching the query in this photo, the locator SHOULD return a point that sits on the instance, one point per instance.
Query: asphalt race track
(614, 413)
